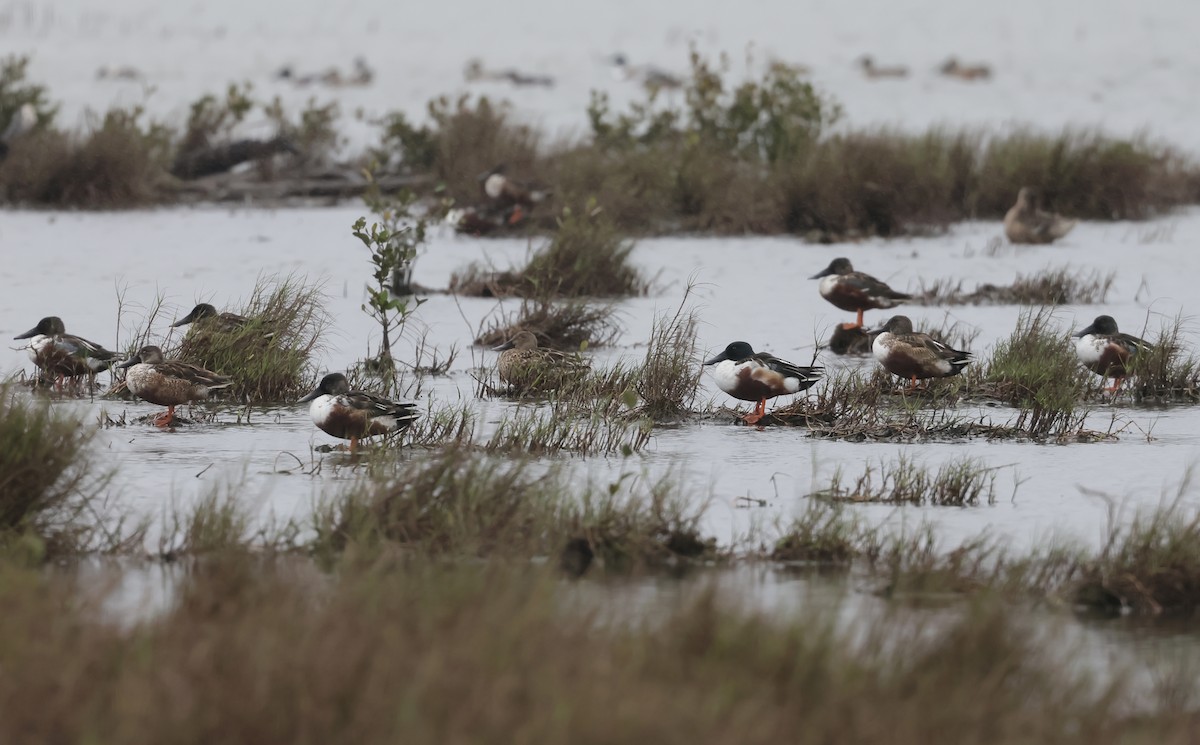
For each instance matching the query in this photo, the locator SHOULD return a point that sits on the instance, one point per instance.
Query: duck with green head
(351, 415)
(913, 355)
(62, 355)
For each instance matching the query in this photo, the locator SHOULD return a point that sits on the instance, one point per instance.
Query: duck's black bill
(129, 362)
(310, 397)
(506, 345)
(823, 273)
(28, 334)
(189, 318)
(719, 358)
(1088, 330)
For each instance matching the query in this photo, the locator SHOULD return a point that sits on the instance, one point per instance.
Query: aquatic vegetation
(669, 377)
(822, 533)
(1048, 287)
(270, 356)
(587, 256)
(463, 502)
(1168, 371)
(1036, 369)
(960, 482)
(567, 426)
(567, 325)
(51, 482)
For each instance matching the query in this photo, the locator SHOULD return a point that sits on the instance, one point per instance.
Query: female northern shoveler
(1027, 223)
(1106, 351)
(341, 412)
(224, 322)
(911, 355)
(62, 355)
(528, 367)
(855, 291)
(169, 383)
(756, 376)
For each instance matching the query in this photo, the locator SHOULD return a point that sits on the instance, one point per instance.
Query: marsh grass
(564, 426)
(823, 533)
(669, 377)
(1148, 564)
(51, 483)
(1036, 370)
(270, 357)
(461, 502)
(1049, 287)
(302, 659)
(118, 162)
(568, 325)
(586, 256)
(1168, 372)
(960, 482)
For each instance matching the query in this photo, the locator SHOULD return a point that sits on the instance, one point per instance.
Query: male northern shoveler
(855, 291)
(515, 198)
(1027, 223)
(169, 383)
(1106, 351)
(206, 313)
(526, 366)
(912, 355)
(756, 376)
(62, 355)
(341, 412)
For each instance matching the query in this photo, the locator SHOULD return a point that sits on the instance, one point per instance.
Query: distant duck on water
(1026, 222)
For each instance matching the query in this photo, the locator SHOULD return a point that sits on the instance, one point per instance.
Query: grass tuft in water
(50, 482)
(1168, 372)
(1050, 287)
(269, 357)
(960, 482)
(568, 325)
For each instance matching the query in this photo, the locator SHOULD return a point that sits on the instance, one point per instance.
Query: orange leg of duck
(1116, 386)
(912, 386)
(165, 419)
(517, 215)
(760, 410)
(353, 445)
(859, 323)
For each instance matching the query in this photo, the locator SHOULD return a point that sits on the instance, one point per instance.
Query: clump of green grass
(1151, 564)
(822, 533)
(669, 376)
(568, 325)
(1036, 369)
(463, 502)
(1167, 372)
(269, 357)
(587, 256)
(960, 482)
(566, 426)
(1049, 287)
(50, 482)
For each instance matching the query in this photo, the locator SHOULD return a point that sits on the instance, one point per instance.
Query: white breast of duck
(751, 380)
(494, 185)
(139, 379)
(827, 285)
(338, 416)
(1090, 347)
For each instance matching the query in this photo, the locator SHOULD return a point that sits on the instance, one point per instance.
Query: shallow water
(747, 288)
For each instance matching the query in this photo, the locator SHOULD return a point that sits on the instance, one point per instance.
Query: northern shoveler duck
(206, 313)
(856, 291)
(509, 195)
(169, 383)
(756, 376)
(952, 68)
(1027, 223)
(62, 355)
(867, 64)
(350, 415)
(526, 366)
(913, 355)
(850, 340)
(1106, 351)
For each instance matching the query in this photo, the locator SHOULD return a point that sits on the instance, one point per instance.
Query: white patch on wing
(1089, 348)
